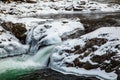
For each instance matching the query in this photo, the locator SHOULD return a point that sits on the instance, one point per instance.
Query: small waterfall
(12, 68)
(42, 55)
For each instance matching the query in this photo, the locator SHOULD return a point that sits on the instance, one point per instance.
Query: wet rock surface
(10, 1)
(31, 1)
(93, 24)
(28, 1)
(95, 53)
(91, 51)
(54, 32)
(100, 59)
(48, 74)
(109, 61)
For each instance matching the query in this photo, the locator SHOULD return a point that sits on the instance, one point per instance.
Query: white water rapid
(12, 67)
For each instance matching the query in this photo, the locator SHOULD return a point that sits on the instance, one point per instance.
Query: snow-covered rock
(11, 0)
(91, 6)
(31, 1)
(52, 32)
(95, 53)
(56, 6)
(18, 29)
(10, 45)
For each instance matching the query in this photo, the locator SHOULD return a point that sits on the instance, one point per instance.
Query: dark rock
(118, 46)
(82, 2)
(18, 29)
(118, 72)
(77, 63)
(12, 0)
(69, 51)
(77, 9)
(72, 35)
(48, 74)
(89, 66)
(95, 41)
(2, 31)
(69, 8)
(47, 26)
(31, 1)
(93, 24)
(113, 63)
(93, 9)
(77, 50)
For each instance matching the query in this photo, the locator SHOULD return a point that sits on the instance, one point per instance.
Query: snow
(71, 58)
(59, 57)
(83, 72)
(29, 21)
(42, 32)
(92, 6)
(107, 47)
(51, 32)
(110, 33)
(48, 7)
(10, 45)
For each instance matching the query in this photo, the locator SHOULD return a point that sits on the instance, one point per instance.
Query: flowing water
(17, 67)
(13, 68)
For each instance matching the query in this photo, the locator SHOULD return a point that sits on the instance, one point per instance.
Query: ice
(59, 58)
(51, 32)
(10, 45)
(44, 32)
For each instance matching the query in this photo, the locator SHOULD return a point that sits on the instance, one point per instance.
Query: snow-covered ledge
(94, 54)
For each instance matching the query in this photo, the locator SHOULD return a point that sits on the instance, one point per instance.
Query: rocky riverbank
(85, 35)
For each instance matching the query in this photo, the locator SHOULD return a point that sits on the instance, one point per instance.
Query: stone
(18, 29)
(31, 1)
(91, 51)
(12, 0)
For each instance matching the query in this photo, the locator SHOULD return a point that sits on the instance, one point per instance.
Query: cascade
(11, 68)
(42, 55)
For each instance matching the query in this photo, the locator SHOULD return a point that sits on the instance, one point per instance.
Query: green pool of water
(14, 74)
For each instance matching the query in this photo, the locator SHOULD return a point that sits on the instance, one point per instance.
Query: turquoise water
(14, 68)
(14, 74)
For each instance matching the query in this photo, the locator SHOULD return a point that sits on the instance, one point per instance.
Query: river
(26, 67)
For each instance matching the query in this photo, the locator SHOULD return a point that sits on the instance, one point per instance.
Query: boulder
(31, 1)
(54, 0)
(53, 32)
(9, 45)
(12, 0)
(18, 29)
(106, 21)
(96, 52)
